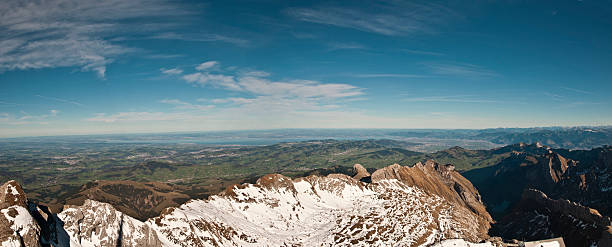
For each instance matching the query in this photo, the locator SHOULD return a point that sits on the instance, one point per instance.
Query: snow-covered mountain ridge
(398, 206)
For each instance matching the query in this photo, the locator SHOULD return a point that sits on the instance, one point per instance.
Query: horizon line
(278, 129)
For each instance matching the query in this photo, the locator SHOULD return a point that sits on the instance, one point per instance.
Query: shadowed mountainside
(538, 217)
(139, 200)
(585, 180)
(541, 193)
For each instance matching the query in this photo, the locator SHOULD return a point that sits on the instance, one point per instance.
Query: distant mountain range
(560, 137)
(422, 140)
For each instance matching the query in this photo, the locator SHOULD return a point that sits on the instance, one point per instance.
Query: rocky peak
(386, 173)
(360, 172)
(441, 180)
(12, 194)
(557, 165)
(17, 226)
(443, 170)
(274, 181)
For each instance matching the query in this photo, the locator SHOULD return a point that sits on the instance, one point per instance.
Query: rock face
(396, 208)
(538, 217)
(17, 226)
(360, 171)
(99, 224)
(580, 176)
(441, 180)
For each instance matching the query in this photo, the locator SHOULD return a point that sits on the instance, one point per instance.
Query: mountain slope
(17, 226)
(395, 208)
(145, 200)
(585, 180)
(570, 193)
(538, 217)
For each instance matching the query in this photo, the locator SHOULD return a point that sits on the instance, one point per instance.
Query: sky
(93, 67)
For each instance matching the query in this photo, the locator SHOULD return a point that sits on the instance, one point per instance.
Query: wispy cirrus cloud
(575, 90)
(419, 52)
(563, 101)
(201, 37)
(386, 17)
(6, 103)
(67, 101)
(207, 65)
(452, 99)
(210, 79)
(387, 75)
(460, 69)
(164, 56)
(345, 46)
(73, 33)
(185, 105)
(24, 118)
(138, 116)
(555, 97)
(173, 71)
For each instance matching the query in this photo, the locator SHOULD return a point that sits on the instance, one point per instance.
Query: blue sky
(85, 66)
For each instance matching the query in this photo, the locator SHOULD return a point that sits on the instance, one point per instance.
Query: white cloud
(205, 78)
(66, 33)
(256, 83)
(206, 65)
(261, 99)
(297, 88)
(174, 71)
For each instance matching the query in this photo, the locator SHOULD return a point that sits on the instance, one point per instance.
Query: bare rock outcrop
(441, 180)
(360, 172)
(537, 216)
(99, 224)
(17, 226)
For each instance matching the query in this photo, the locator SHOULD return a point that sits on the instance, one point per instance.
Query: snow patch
(10, 188)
